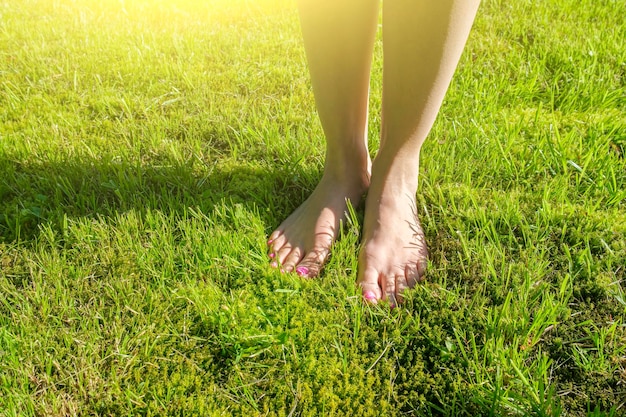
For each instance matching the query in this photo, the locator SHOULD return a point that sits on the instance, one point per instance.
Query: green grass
(147, 148)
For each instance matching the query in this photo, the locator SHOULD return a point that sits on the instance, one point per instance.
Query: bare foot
(302, 242)
(393, 255)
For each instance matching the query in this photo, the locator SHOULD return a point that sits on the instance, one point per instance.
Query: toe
(291, 259)
(402, 285)
(422, 265)
(275, 235)
(414, 272)
(303, 271)
(312, 262)
(282, 253)
(370, 288)
(389, 285)
(278, 256)
(277, 243)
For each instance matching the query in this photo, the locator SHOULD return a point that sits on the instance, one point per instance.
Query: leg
(338, 39)
(422, 42)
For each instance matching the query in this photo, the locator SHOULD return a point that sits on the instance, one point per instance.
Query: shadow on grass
(32, 194)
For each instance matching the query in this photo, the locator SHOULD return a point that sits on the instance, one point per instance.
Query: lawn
(148, 148)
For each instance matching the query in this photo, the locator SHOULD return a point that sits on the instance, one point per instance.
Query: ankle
(351, 185)
(348, 173)
(395, 176)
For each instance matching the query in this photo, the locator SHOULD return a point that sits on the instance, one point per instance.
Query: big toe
(370, 287)
(312, 263)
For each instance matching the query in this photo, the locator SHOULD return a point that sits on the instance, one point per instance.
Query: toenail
(369, 295)
(274, 264)
(269, 242)
(272, 254)
(302, 271)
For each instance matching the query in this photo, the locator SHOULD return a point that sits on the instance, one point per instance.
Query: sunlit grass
(147, 148)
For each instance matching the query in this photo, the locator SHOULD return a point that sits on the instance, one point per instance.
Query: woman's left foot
(393, 254)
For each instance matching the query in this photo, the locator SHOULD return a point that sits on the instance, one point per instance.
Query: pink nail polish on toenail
(269, 242)
(271, 255)
(274, 264)
(369, 295)
(302, 271)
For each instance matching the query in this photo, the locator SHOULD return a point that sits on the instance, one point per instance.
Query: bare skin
(340, 77)
(303, 241)
(423, 41)
(393, 253)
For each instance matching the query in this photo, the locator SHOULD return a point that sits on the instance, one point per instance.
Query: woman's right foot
(303, 241)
